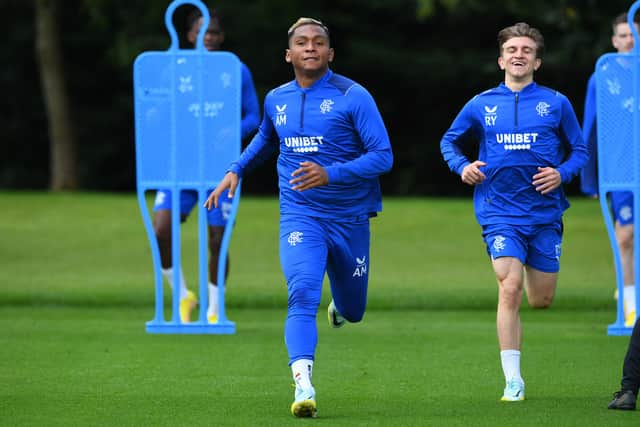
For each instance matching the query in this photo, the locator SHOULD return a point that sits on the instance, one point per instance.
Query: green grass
(76, 289)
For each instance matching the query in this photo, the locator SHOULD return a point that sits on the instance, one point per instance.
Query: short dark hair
(195, 15)
(522, 29)
(306, 21)
(621, 19)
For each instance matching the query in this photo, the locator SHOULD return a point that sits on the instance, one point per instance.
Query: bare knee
(510, 292)
(626, 243)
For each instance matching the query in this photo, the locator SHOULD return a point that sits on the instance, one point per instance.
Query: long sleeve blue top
(250, 104)
(517, 133)
(334, 123)
(589, 175)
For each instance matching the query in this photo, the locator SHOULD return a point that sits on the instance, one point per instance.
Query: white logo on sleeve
(281, 115)
(361, 267)
(295, 237)
(490, 115)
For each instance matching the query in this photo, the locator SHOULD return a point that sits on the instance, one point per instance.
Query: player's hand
(546, 180)
(308, 175)
(471, 174)
(229, 181)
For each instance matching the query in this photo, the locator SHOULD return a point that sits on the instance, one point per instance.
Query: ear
(331, 53)
(221, 37)
(501, 62)
(537, 64)
(614, 42)
(287, 55)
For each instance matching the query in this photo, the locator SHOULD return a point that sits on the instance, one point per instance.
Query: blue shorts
(188, 199)
(622, 206)
(538, 246)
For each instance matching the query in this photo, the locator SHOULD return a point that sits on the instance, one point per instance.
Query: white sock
(302, 371)
(168, 274)
(629, 299)
(511, 364)
(213, 300)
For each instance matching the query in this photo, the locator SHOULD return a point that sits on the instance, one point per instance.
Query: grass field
(76, 290)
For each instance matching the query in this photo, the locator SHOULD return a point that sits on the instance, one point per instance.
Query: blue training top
(250, 104)
(589, 175)
(518, 132)
(334, 123)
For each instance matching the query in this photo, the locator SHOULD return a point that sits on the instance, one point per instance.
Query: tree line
(68, 105)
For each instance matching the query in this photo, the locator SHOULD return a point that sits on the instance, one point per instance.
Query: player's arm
(548, 178)
(451, 144)
(571, 133)
(377, 157)
(588, 175)
(250, 104)
(262, 146)
(230, 181)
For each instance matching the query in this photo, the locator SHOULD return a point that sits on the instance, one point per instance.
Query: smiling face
(309, 52)
(518, 58)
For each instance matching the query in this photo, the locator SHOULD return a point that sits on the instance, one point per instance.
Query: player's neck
(306, 78)
(516, 85)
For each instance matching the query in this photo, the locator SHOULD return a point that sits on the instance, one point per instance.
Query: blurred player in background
(217, 218)
(621, 201)
(530, 143)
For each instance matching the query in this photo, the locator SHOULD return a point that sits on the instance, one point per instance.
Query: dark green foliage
(422, 60)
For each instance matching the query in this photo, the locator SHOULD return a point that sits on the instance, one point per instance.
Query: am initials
(360, 271)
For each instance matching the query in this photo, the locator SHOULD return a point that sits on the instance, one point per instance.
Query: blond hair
(306, 21)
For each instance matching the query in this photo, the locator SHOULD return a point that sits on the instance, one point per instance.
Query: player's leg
(507, 250)
(628, 394)
(217, 220)
(540, 287)
(162, 230)
(303, 255)
(624, 238)
(622, 206)
(348, 269)
(543, 263)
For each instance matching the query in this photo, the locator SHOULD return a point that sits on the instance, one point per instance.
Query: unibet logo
(303, 144)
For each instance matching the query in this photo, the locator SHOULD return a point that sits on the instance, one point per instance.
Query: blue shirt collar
(528, 88)
(317, 83)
